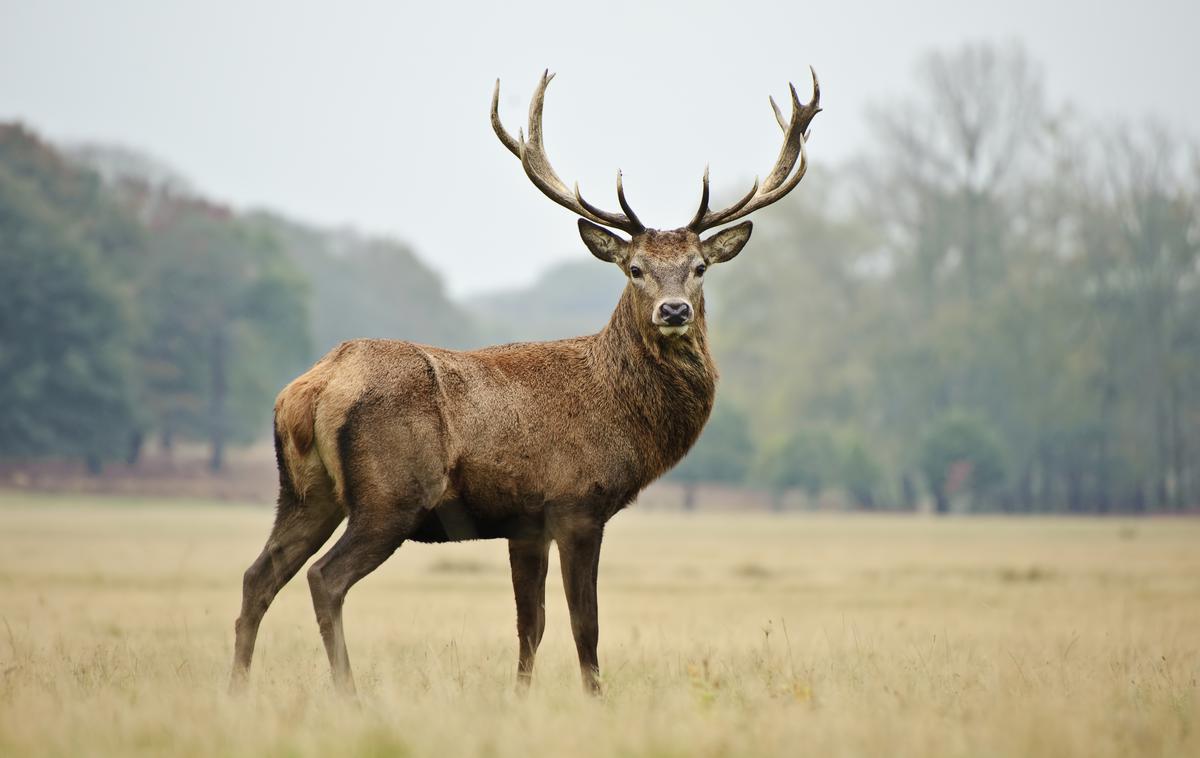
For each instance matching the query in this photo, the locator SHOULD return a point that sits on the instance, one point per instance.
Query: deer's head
(665, 268)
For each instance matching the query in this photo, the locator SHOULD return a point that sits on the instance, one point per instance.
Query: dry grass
(721, 635)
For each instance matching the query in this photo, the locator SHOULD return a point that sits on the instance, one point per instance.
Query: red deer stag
(532, 442)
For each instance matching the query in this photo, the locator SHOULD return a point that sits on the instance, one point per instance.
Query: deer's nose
(675, 312)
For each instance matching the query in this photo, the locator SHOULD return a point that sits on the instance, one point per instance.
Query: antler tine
(631, 224)
(513, 146)
(783, 124)
(536, 163)
(704, 219)
(816, 98)
(702, 211)
(777, 183)
(533, 154)
(633, 219)
(599, 215)
(790, 150)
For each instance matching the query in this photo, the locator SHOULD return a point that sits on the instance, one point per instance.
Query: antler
(777, 184)
(537, 166)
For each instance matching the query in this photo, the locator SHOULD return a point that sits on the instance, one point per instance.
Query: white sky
(376, 114)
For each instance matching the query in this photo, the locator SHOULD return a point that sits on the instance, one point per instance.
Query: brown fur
(533, 442)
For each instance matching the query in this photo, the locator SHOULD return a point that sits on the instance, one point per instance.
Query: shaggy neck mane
(666, 385)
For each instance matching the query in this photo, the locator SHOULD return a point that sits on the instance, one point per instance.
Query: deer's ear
(726, 244)
(605, 245)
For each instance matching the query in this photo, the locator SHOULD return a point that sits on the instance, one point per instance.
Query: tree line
(995, 306)
(134, 309)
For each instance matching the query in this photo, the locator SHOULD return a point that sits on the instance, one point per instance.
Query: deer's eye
(700, 269)
(635, 272)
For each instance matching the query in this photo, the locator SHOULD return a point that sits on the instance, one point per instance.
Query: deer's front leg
(528, 557)
(579, 554)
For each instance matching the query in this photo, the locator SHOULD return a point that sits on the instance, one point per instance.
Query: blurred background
(985, 295)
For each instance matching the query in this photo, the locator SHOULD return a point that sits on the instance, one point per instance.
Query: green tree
(722, 453)
(807, 460)
(228, 324)
(368, 287)
(1139, 213)
(860, 474)
(961, 454)
(66, 368)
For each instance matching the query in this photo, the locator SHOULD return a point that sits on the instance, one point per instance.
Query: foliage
(66, 361)
(227, 322)
(988, 256)
(860, 474)
(993, 280)
(722, 454)
(568, 299)
(807, 459)
(961, 454)
(134, 307)
(368, 287)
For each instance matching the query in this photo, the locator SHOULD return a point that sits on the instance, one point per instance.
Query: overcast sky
(375, 115)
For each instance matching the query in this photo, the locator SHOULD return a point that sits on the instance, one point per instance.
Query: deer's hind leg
(301, 528)
(365, 545)
(391, 475)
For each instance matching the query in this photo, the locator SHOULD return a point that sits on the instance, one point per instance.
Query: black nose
(675, 313)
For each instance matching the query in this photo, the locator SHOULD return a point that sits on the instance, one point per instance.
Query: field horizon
(721, 634)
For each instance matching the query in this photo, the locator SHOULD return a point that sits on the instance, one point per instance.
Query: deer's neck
(665, 386)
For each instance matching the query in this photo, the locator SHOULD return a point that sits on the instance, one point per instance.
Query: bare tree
(1139, 217)
(946, 179)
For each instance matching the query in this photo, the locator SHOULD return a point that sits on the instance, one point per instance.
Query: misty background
(985, 295)
(374, 115)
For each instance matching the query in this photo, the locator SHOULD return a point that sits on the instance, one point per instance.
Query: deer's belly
(453, 521)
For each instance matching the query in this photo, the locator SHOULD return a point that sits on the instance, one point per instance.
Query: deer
(535, 443)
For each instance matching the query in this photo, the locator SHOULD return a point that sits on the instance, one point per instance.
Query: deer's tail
(295, 449)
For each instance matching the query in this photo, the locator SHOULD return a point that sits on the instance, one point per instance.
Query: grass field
(720, 635)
